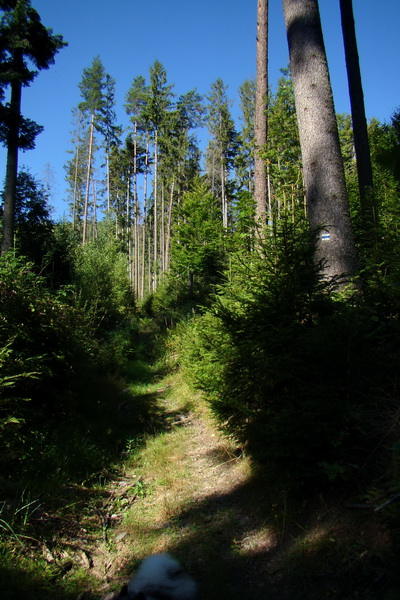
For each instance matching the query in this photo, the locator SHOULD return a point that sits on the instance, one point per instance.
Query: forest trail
(194, 496)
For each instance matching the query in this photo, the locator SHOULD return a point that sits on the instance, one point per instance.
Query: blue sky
(196, 42)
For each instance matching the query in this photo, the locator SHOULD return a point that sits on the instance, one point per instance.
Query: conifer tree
(159, 102)
(75, 168)
(24, 42)
(197, 249)
(97, 91)
(137, 98)
(108, 128)
(92, 91)
(180, 159)
(244, 163)
(222, 147)
(285, 181)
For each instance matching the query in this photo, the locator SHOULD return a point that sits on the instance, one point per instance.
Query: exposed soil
(207, 516)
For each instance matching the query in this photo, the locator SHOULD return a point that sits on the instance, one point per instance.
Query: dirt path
(195, 497)
(187, 489)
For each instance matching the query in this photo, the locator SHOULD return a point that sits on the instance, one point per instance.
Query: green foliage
(101, 279)
(33, 225)
(11, 407)
(52, 341)
(283, 154)
(380, 256)
(197, 251)
(25, 42)
(48, 335)
(159, 98)
(290, 366)
(45, 342)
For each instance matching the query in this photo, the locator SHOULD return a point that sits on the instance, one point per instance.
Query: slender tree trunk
(75, 198)
(89, 171)
(94, 227)
(270, 218)
(322, 161)
(162, 229)
(136, 248)
(168, 240)
(128, 236)
(145, 217)
(261, 117)
(224, 198)
(155, 228)
(149, 266)
(213, 173)
(136, 213)
(7, 242)
(128, 205)
(361, 142)
(108, 181)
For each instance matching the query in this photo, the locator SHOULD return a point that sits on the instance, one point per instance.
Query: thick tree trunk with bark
(261, 118)
(323, 170)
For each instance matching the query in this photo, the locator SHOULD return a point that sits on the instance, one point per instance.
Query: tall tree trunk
(361, 142)
(75, 198)
(136, 213)
(145, 218)
(224, 198)
(323, 170)
(162, 229)
(168, 240)
(261, 117)
(94, 194)
(127, 233)
(155, 229)
(108, 181)
(88, 176)
(7, 241)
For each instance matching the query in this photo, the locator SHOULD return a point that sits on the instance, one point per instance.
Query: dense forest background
(163, 241)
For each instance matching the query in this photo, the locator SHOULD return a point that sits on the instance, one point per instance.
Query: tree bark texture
(261, 117)
(323, 169)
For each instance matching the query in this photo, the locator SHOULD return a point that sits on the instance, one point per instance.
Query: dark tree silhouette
(24, 43)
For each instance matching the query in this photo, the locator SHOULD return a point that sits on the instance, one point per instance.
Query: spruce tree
(97, 91)
(159, 103)
(75, 169)
(222, 147)
(137, 99)
(92, 88)
(244, 163)
(285, 180)
(108, 128)
(197, 249)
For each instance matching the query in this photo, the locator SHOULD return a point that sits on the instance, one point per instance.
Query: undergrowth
(302, 373)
